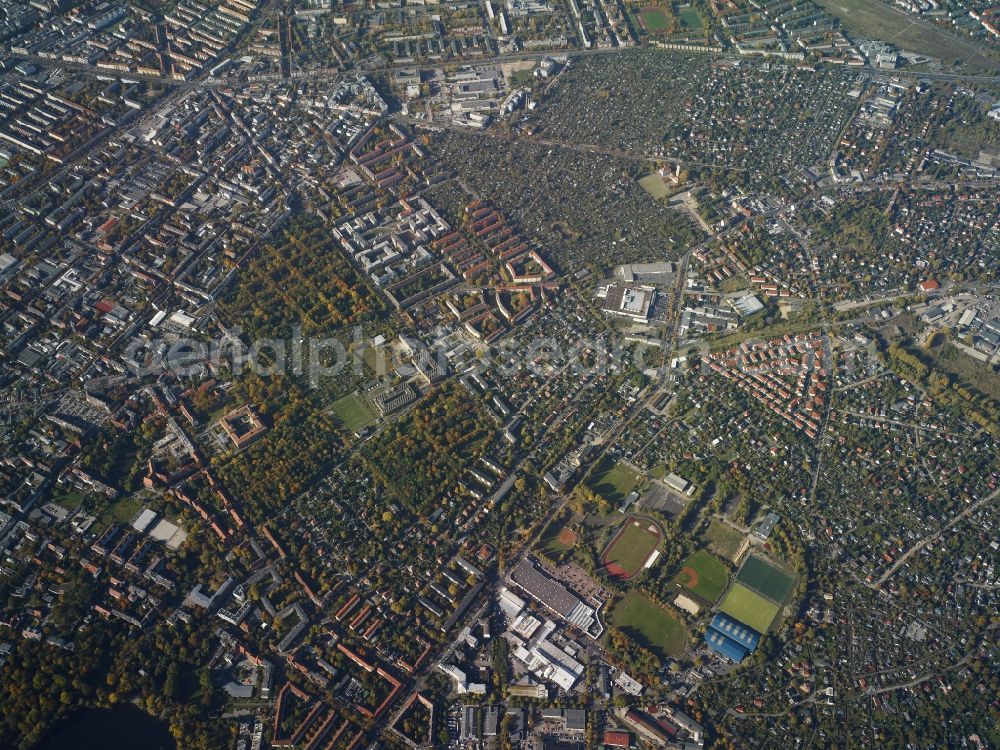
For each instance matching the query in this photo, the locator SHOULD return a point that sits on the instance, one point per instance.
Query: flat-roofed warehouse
(553, 595)
(654, 273)
(633, 302)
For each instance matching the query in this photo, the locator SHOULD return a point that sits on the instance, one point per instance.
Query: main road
(327, 73)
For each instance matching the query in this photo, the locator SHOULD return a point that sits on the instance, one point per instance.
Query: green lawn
(650, 626)
(723, 540)
(521, 77)
(70, 500)
(632, 546)
(612, 481)
(121, 511)
(654, 19)
(655, 186)
(353, 412)
(218, 412)
(556, 545)
(749, 607)
(690, 19)
(734, 284)
(971, 372)
(550, 541)
(711, 576)
(765, 578)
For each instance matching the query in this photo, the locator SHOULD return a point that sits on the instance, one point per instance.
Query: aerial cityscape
(499, 374)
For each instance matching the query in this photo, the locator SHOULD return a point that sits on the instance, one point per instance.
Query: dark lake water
(123, 727)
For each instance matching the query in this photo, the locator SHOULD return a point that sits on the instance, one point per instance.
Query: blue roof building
(724, 646)
(731, 628)
(731, 638)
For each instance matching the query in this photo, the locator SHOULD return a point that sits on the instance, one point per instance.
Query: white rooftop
(142, 521)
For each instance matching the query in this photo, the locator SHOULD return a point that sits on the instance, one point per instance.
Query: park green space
(971, 372)
(556, 537)
(650, 625)
(521, 77)
(654, 185)
(690, 19)
(765, 578)
(69, 499)
(749, 607)
(120, 511)
(613, 481)
(353, 412)
(654, 19)
(723, 540)
(632, 546)
(710, 579)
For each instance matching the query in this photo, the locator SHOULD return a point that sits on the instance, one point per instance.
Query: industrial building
(554, 595)
(632, 302)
